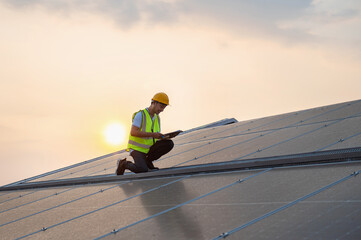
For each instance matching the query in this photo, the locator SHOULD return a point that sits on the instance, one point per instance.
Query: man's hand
(135, 131)
(158, 135)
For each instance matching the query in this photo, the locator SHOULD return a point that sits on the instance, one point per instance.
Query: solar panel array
(316, 201)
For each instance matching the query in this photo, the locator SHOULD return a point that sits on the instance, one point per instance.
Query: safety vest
(143, 144)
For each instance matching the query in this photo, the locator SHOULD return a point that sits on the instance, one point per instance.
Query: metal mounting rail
(340, 155)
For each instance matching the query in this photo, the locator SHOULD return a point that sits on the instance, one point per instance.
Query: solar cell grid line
(301, 121)
(51, 195)
(244, 141)
(62, 204)
(333, 224)
(107, 206)
(5, 193)
(252, 121)
(65, 168)
(193, 133)
(185, 203)
(329, 120)
(37, 200)
(244, 131)
(220, 139)
(226, 234)
(333, 110)
(339, 141)
(281, 142)
(33, 192)
(280, 128)
(310, 220)
(291, 125)
(217, 140)
(290, 139)
(188, 150)
(219, 150)
(329, 111)
(248, 140)
(261, 132)
(44, 197)
(349, 233)
(20, 196)
(83, 169)
(197, 132)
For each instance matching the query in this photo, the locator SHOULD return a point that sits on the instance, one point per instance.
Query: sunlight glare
(114, 134)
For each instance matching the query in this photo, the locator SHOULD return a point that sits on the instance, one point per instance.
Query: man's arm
(135, 132)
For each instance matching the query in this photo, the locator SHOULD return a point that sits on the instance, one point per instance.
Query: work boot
(153, 169)
(151, 166)
(120, 166)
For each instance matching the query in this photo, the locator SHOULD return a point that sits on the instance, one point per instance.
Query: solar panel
(331, 214)
(315, 201)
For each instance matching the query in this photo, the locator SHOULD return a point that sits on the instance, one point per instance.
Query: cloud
(291, 21)
(242, 17)
(130, 11)
(336, 22)
(331, 22)
(259, 18)
(126, 13)
(252, 12)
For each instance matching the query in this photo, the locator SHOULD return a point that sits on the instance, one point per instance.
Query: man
(146, 143)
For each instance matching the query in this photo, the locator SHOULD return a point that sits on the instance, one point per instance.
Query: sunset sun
(114, 134)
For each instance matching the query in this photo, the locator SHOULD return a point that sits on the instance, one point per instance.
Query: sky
(69, 69)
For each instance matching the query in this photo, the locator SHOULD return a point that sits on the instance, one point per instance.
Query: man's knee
(169, 145)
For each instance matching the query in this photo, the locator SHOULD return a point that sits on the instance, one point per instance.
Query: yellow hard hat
(161, 97)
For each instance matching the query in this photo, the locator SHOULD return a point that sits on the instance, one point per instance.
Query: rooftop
(294, 174)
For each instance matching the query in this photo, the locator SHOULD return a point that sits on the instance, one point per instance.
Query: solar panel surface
(302, 202)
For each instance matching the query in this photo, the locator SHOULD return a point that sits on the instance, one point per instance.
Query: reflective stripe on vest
(147, 125)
